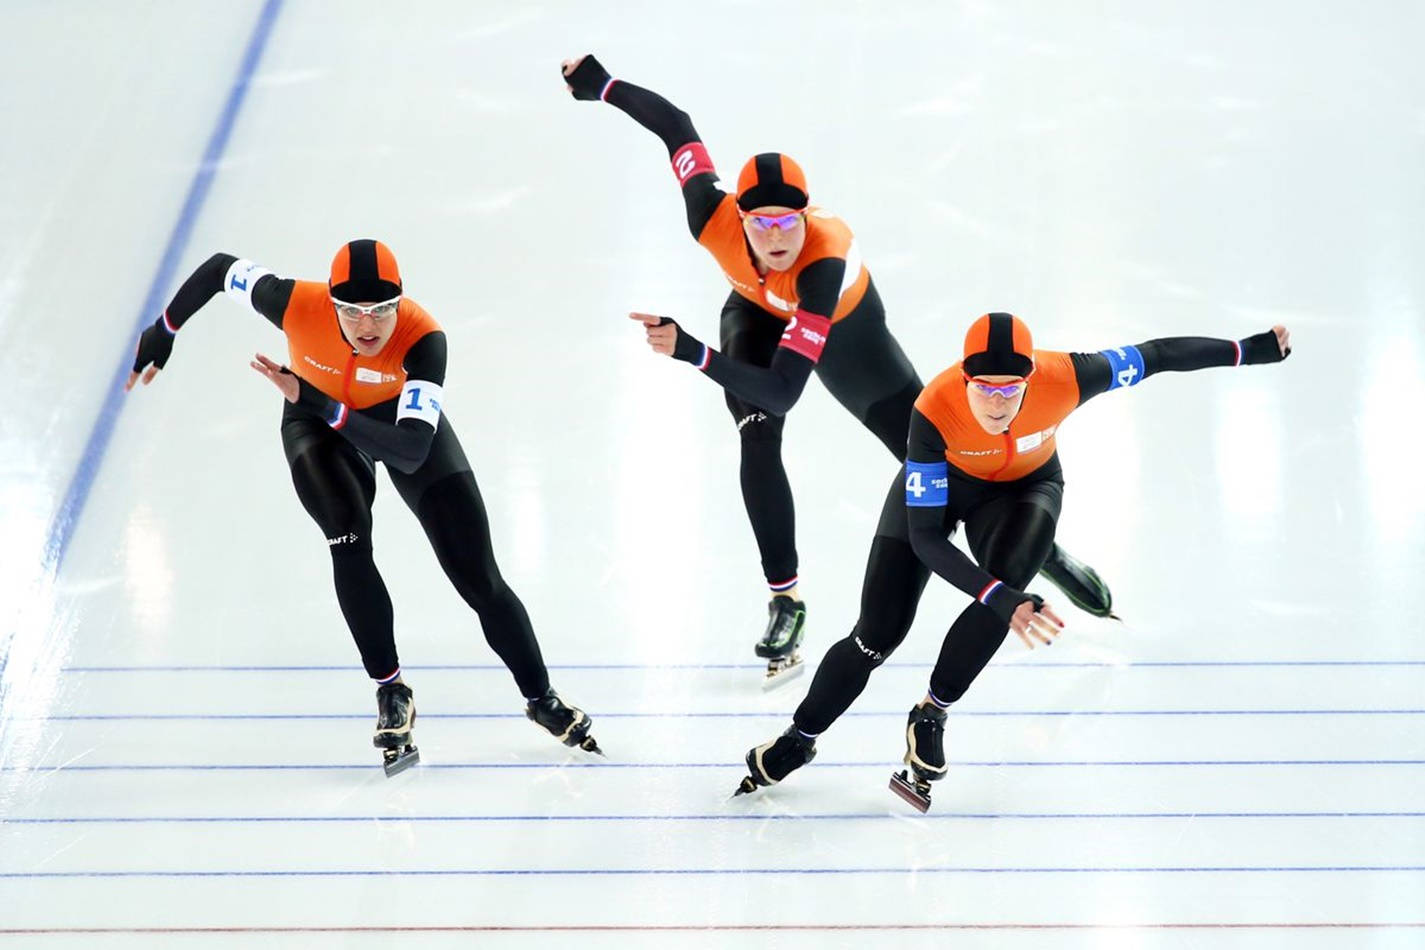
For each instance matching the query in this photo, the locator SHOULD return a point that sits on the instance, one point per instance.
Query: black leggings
(1010, 528)
(337, 484)
(863, 367)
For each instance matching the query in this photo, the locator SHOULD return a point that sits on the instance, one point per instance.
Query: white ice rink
(185, 755)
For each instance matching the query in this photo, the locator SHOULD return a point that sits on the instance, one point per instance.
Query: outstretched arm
(1125, 366)
(775, 387)
(249, 284)
(403, 445)
(587, 79)
(927, 494)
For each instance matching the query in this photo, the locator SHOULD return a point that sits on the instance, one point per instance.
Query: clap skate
(568, 724)
(769, 763)
(786, 625)
(924, 753)
(395, 717)
(1079, 582)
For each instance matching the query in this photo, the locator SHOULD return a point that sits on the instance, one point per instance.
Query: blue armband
(927, 484)
(1125, 365)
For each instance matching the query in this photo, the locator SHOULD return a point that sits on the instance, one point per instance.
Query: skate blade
(397, 762)
(589, 745)
(783, 674)
(906, 788)
(746, 787)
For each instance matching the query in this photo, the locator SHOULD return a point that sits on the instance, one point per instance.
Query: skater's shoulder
(415, 317)
(938, 391)
(1052, 367)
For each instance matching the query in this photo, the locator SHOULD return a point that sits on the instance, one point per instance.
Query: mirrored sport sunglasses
(766, 222)
(1007, 390)
(384, 310)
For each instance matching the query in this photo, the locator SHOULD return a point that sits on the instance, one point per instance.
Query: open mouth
(368, 340)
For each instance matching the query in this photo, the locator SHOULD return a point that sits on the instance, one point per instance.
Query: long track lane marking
(52, 770)
(720, 872)
(681, 714)
(71, 507)
(849, 816)
(731, 928)
(499, 668)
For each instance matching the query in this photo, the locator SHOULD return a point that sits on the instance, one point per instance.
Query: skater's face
(776, 235)
(367, 325)
(993, 409)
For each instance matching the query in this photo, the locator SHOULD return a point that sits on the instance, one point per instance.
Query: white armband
(420, 400)
(241, 278)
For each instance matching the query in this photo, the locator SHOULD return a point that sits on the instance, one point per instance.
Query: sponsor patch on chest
(778, 302)
(364, 375)
(1028, 443)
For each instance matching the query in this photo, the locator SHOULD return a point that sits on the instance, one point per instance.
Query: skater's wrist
(686, 347)
(1005, 600)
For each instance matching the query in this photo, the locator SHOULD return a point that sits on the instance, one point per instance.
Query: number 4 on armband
(914, 484)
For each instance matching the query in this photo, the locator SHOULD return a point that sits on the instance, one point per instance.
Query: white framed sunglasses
(384, 310)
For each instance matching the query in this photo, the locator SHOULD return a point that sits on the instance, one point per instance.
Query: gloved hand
(1271, 346)
(585, 76)
(154, 349)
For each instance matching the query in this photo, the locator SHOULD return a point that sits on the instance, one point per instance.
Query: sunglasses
(766, 222)
(384, 310)
(1007, 390)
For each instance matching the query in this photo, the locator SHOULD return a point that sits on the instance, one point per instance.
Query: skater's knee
(349, 537)
(484, 590)
(889, 418)
(864, 649)
(1014, 569)
(1016, 551)
(1016, 564)
(756, 426)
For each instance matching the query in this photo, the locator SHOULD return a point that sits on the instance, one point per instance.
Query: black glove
(587, 79)
(1262, 348)
(1006, 600)
(685, 348)
(155, 346)
(313, 400)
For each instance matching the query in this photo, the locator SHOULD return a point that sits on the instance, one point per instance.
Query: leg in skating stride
(780, 643)
(395, 717)
(924, 753)
(769, 763)
(568, 724)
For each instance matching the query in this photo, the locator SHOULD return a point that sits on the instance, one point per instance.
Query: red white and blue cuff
(989, 590)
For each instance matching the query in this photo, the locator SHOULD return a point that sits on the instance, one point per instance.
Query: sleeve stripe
(604, 92)
(168, 324)
(990, 588)
(340, 418)
(707, 357)
(1238, 347)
